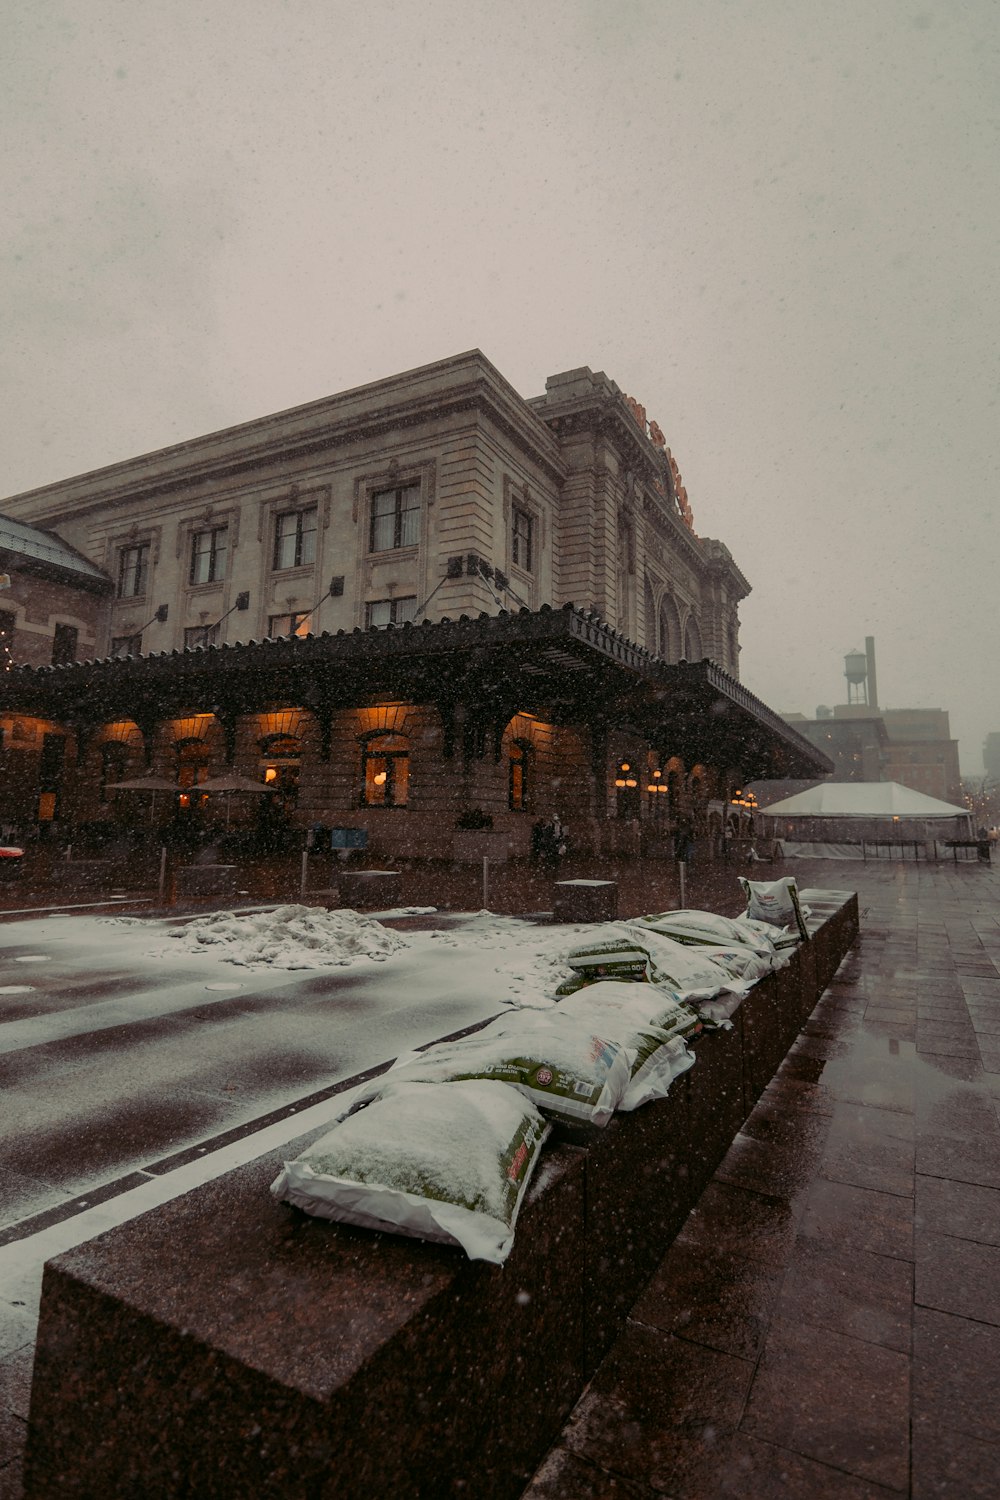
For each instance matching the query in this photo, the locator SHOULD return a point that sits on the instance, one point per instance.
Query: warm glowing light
(271, 774)
(631, 781)
(619, 782)
(626, 766)
(380, 778)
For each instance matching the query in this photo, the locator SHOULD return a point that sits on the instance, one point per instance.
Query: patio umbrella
(152, 784)
(229, 783)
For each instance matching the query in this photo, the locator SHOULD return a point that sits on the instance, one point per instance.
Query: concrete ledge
(227, 1345)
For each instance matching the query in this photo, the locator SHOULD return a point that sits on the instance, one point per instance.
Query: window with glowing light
(518, 776)
(298, 623)
(281, 756)
(385, 771)
(192, 770)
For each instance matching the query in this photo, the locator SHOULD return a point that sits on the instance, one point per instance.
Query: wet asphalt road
(112, 1071)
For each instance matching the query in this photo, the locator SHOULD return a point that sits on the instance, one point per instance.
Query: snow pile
(290, 937)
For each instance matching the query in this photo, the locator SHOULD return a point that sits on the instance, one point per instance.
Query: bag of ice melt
(611, 953)
(777, 903)
(653, 1027)
(708, 929)
(566, 1070)
(689, 973)
(448, 1162)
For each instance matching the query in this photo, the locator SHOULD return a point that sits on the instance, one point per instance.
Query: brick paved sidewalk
(828, 1322)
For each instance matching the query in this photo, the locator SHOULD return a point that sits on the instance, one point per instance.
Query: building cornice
(467, 383)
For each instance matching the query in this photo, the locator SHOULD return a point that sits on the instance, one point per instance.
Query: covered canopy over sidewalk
(567, 666)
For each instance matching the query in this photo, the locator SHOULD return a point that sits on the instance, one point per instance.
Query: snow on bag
(776, 902)
(611, 953)
(448, 1162)
(690, 973)
(649, 1024)
(709, 929)
(568, 1072)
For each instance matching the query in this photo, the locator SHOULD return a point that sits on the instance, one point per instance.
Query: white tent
(852, 819)
(863, 799)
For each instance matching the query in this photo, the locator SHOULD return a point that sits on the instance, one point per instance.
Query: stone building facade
(285, 602)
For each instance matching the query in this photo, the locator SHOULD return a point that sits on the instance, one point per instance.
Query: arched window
(385, 770)
(280, 758)
(192, 769)
(519, 776)
(692, 641)
(670, 629)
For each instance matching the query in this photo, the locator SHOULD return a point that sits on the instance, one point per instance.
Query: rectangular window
(521, 540)
(395, 518)
(64, 645)
(390, 611)
(126, 645)
(208, 555)
(299, 623)
(201, 635)
(133, 571)
(295, 538)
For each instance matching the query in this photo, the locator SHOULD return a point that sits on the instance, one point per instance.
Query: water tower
(856, 672)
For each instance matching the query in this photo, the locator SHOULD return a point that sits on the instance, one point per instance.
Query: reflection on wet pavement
(827, 1323)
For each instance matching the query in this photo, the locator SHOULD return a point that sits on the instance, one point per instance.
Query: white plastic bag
(567, 1071)
(653, 1027)
(448, 1162)
(777, 903)
(708, 929)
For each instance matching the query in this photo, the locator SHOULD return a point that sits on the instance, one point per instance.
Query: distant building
(53, 608)
(991, 755)
(867, 743)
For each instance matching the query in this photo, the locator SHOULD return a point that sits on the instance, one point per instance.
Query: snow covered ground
(416, 985)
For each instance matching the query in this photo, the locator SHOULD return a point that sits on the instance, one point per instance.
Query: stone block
(369, 890)
(769, 1016)
(586, 901)
(638, 1195)
(716, 1099)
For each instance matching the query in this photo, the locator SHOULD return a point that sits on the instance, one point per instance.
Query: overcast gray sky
(773, 222)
